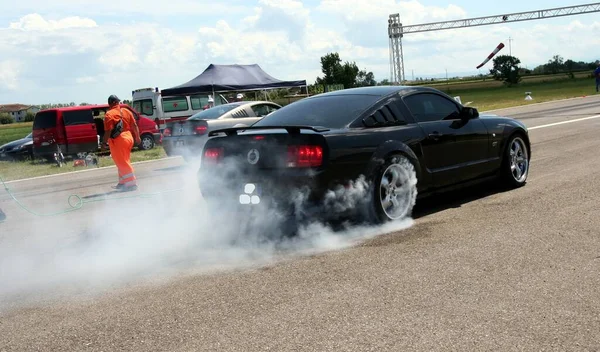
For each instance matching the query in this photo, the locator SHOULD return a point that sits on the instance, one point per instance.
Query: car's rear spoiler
(290, 129)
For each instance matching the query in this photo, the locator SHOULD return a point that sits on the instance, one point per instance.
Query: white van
(150, 103)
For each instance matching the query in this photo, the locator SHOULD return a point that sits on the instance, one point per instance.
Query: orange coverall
(120, 147)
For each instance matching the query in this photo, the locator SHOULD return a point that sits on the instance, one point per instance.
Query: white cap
(240, 95)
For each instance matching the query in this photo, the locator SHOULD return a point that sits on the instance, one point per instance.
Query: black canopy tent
(227, 78)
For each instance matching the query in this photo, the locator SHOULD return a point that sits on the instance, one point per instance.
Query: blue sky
(68, 50)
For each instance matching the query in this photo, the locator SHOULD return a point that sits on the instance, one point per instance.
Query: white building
(18, 111)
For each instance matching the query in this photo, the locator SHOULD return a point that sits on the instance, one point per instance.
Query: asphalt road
(478, 270)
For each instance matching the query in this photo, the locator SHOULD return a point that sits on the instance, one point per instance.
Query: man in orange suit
(121, 131)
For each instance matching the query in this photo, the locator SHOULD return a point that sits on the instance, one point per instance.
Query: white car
(187, 137)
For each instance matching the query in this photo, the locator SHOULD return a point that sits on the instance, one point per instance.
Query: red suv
(79, 129)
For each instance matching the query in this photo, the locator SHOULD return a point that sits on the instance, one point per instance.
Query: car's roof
(83, 107)
(247, 102)
(236, 105)
(375, 91)
(239, 104)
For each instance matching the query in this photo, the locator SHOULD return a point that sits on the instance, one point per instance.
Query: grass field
(9, 133)
(24, 169)
(489, 82)
(495, 96)
(484, 95)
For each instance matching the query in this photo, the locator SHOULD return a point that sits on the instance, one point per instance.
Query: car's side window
(271, 108)
(240, 113)
(78, 117)
(386, 115)
(427, 107)
(261, 110)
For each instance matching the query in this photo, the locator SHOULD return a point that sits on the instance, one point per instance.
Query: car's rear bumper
(188, 146)
(70, 149)
(302, 194)
(45, 151)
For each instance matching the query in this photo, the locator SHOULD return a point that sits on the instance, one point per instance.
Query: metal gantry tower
(396, 55)
(396, 30)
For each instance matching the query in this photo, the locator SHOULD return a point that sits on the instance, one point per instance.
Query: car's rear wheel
(395, 189)
(515, 166)
(147, 142)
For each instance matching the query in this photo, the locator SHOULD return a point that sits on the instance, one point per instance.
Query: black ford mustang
(405, 142)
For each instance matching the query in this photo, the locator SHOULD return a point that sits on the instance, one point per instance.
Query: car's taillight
(305, 156)
(213, 155)
(200, 130)
(167, 132)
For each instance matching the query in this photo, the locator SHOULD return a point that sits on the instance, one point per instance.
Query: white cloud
(412, 12)
(9, 74)
(120, 56)
(35, 22)
(141, 9)
(85, 79)
(50, 52)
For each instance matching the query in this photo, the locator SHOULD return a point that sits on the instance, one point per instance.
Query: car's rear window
(214, 112)
(44, 119)
(334, 111)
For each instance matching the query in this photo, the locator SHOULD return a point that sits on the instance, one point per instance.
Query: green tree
(331, 66)
(29, 117)
(506, 68)
(347, 74)
(5, 118)
(569, 65)
(365, 78)
(556, 64)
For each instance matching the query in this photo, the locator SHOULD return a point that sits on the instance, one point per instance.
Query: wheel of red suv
(147, 142)
(394, 189)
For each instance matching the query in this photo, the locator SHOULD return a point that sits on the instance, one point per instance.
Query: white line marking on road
(88, 170)
(563, 122)
(542, 103)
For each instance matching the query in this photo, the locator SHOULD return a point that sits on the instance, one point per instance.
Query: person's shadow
(98, 195)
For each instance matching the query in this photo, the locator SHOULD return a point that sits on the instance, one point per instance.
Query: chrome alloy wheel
(147, 142)
(395, 191)
(519, 161)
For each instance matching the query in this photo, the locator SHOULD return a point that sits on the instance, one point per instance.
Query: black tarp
(226, 78)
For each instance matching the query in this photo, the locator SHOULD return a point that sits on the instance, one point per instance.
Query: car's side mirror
(468, 113)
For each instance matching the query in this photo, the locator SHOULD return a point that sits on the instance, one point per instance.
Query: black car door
(454, 149)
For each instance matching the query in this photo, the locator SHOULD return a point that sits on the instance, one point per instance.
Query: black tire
(147, 142)
(515, 162)
(408, 190)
